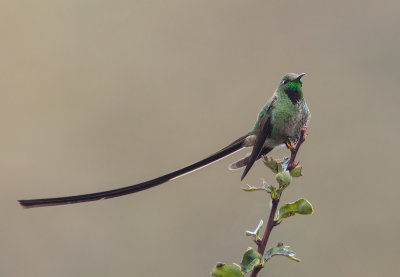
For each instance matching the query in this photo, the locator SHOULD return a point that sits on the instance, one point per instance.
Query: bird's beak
(299, 77)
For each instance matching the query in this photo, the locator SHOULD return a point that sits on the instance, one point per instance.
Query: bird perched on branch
(279, 122)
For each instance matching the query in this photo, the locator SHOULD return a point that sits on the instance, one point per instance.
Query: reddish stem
(271, 223)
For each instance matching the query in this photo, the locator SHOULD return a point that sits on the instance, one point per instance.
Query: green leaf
(271, 164)
(283, 179)
(250, 259)
(301, 206)
(276, 166)
(272, 190)
(280, 249)
(256, 232)
(268, 188)
(251, 188)
(223, 270)
(296, 172)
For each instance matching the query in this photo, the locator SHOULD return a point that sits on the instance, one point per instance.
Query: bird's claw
(290, 143)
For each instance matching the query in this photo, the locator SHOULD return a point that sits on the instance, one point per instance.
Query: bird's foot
(291, 142)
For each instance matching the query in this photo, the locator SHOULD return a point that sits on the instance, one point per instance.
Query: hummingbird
(278, 123)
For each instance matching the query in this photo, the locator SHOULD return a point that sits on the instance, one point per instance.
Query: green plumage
(280, 119)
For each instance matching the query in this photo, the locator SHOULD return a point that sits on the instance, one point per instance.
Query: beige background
(101, 94)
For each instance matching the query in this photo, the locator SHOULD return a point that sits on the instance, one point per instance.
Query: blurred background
(96, 95)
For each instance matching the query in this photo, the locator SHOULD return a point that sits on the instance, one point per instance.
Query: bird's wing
(224, 152)
(264, 129)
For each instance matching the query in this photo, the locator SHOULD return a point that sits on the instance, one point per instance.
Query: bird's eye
(284, 82)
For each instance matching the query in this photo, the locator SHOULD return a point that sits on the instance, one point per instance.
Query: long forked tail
(230, 149)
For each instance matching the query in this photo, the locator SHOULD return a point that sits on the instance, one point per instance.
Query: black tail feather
(263, 152)
(233, 147)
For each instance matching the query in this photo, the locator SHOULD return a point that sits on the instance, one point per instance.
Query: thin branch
(294, 150)
(268, 229)
(271, 223)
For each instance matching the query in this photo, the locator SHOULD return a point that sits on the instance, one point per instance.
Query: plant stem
(271, 223)
(268, 229)
(294, 150)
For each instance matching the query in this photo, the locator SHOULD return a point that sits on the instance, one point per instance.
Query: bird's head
(291, 85)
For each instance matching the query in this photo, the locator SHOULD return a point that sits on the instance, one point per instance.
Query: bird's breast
(288, 123)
